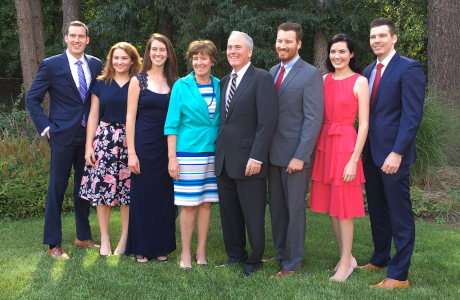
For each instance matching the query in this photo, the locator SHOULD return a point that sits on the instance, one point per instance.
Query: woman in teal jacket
(191, 126)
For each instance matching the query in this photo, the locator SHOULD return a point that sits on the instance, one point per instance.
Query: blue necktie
(231, 93)
(82, 89)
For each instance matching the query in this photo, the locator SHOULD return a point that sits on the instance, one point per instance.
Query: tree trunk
(320, 52)
(70, 12)
(165, 24)
(443, 47)
(320, 44)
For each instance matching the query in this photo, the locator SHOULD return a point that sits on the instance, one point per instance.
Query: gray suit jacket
(300, 114)
(247, 130)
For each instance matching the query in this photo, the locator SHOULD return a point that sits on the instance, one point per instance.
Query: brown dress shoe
(283, 273)
(58, 252)
(371, 267)
(389, 283)
(86, 243)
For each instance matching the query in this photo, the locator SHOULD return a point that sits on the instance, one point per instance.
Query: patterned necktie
(231, 93)
(279, 79)
(378, 75)
(82, 89)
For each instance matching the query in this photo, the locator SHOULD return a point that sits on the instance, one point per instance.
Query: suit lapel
(292, 73)
(66, 67)
(386, 75)
(241, 87)
(223, 101)
(191, 83)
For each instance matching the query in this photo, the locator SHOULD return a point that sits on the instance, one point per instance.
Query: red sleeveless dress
(334, 147)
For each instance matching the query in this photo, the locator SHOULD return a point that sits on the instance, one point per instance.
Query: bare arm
(131, 112)
(91, 125)
(361, 91)
(173, 166)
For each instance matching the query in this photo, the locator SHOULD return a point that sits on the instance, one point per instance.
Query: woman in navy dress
(105, 180)
(151, 233)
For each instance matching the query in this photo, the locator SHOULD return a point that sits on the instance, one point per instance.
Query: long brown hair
(109, 72)
(170, 68)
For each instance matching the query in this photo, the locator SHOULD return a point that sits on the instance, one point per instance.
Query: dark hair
(205, 47)
(170, 68)
(76, 24)
(354, 61)
(384, 21)
(294, 27)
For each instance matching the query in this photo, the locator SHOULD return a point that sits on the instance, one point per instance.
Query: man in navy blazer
(397, 96)
(68, 85)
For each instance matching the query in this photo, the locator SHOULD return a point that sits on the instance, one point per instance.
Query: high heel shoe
(141, 259)
(350, 270)
(181, 265)
(353, 262)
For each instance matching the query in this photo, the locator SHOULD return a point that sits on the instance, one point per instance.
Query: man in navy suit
(68, 78)
(397, 86)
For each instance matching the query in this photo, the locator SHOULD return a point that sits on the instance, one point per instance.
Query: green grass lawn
(26, 271)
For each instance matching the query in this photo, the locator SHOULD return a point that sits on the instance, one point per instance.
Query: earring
(212, 65)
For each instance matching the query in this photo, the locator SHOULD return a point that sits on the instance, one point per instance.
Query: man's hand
(48, 134)
(392, 162)
(252, 168)
(295, 165)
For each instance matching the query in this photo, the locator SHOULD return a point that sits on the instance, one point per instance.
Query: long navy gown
(151, 230)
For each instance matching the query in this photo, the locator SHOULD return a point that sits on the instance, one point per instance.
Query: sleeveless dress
(334, 147)
(151, 230)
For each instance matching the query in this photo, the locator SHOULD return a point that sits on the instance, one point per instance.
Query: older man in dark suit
(248, 118)
(300, 116)
(67, 78)
(397, 86)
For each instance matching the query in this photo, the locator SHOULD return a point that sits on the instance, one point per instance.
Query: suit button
(371, 116)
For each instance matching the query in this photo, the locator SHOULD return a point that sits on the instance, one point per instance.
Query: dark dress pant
(390, 211)
(62, 159)
(287, 194)
(242, 204)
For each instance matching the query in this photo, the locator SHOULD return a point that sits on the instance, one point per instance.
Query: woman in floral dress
(106, 178)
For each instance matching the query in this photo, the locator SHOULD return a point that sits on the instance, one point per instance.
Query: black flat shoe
(184, 268)
(162, 260)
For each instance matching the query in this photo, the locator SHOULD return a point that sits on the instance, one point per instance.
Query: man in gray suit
(247, 121)
(300, 115)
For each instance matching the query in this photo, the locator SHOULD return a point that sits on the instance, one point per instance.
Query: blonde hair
(109, 72)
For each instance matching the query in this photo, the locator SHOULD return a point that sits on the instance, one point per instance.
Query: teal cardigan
(188, 117)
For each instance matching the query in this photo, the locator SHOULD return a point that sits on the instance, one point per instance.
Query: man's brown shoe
(389, 283)
(86, 243)
(372, 267)
(58, 252)
(283, 273)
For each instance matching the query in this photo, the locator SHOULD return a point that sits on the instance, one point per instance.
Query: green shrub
(24, 179)
(436, 140)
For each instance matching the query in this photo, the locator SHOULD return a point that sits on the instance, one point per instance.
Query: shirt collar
(73, 60)
(243, 70)
(291, 63)
(387, 59)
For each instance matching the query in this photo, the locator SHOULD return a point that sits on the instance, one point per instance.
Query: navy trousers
(62, 159)
(390, 211)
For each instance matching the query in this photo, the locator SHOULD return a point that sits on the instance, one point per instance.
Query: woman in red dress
(337, 174)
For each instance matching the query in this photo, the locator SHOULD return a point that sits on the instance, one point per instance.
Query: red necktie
(280, 78)
(378, 75)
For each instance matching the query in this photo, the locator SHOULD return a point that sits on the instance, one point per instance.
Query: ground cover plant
(27, 272)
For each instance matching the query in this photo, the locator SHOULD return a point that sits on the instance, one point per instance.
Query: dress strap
(142, 77)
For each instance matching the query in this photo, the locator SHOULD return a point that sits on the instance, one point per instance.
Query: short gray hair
(249, 42)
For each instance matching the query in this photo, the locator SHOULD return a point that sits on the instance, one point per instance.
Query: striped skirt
(197, 182)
